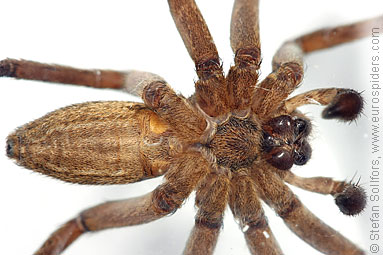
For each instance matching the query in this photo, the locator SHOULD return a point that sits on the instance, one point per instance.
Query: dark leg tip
(10, 148)
(352, 200)
(347, 106)
(7, 68)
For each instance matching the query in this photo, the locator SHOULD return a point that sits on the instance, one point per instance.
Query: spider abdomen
(236, 143)
(94, 143)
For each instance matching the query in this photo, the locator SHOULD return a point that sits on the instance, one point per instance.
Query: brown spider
(239, 168)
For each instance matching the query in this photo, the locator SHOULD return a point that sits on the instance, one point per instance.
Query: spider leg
(277, 86)
(132, 81)
(288, 62)
(111, 214)
(211, 198)
(322, 185)
(244, 30)
(329, 37)
(244, 38)
(211, 94)
(297, 217)
(246, 207)
(343, 104)
(173, 108)
(349, 197)
(181, 179)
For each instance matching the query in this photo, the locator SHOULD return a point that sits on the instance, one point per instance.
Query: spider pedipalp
(352, 200)
(346, 106)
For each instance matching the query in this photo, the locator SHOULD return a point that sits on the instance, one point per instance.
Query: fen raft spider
(232, 141)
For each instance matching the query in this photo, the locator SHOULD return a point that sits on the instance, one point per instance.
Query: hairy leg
(128, 212)
(211, 93)
(211, 199)
(181, 179)
(297, 217)
(246, 207)
(349, 196)
(343, 104)
(288, 62)
(174, 109)
(244, 37)
(329, 37)
(132, 81)
(277, 86)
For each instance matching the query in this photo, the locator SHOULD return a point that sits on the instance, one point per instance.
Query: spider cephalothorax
(233, 142)
(236, 143)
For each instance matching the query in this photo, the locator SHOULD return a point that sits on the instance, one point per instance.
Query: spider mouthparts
(347, 106)
(352, 200)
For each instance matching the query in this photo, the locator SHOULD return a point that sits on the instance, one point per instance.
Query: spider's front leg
(184, 174)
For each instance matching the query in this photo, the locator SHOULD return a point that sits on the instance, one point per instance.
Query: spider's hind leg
(111, 214)
(132, 81)
(184, 118)
(181, 179)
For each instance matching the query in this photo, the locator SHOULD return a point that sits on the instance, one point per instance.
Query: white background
(141, 35)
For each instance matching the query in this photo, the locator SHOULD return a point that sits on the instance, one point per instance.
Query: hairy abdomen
(94, 143)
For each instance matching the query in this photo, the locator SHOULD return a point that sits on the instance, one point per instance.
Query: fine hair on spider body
(233, 142)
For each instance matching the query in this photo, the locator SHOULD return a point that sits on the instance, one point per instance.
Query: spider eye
(281, 159)
(303, 154)
(301, 127)
(281, 124)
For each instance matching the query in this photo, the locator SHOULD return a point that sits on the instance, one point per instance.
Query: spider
(228, 170)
